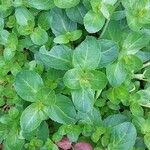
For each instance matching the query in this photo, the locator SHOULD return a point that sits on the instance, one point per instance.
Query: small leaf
(61, 39)
(27, 84)
(66, 3)
(93, 22)
(88, 54)
(39, 36)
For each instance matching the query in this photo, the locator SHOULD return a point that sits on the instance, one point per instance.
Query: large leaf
(62, 111)
(27, 85)
(61, 24)
(88, 54)
(77, 13)
(40, 4)
(93, 22)
(66, 3)
(116, 74)
(134, 42)
(23, 15)
(114, 120)
(110, 51)
(83, 99)
(93, 117)
(122, 137)
(59, 57)
(32, 117)
(45, 20)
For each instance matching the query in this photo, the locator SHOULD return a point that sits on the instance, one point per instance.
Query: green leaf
(39, 36)
(46, 96)
(83, 99)
(4, 34)
(88, 54)
(27, 84)
(144, 97)
(116, 74)
(114, 120)
(93, 22)
(132, 63)
(72, 78)
(59, 57)
(110, 51)
(97, 80)
(93, 117)
(146, 140)
(134, 42)
(1, 24)
(77, 13)
(68, 37)
(62, 111)
(23, 15)
(74, 35)
(41, 4)
(122, 137)
(45, 20)
(13, 142)
(66, 3)
(61, 39)
(8, 53)
(32, 117)
(61, 24)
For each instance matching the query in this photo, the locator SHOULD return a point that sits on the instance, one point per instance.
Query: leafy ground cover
(75, 74)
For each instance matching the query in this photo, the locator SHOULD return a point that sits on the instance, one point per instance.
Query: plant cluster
(75, 74)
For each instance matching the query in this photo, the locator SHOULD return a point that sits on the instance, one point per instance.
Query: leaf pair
(94, 20)
(29, 87)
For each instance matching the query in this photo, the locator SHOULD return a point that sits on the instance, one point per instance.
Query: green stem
(139, 77)
(146, 65)
(105, 27)
(108, 20)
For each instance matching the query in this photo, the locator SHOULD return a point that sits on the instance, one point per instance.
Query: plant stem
(139, 77)
(105, 27)
(108, 20)
(146, 65)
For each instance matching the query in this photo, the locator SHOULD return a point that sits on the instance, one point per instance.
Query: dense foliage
(75, 74)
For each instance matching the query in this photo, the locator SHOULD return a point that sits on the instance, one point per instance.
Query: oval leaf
(27, 84)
